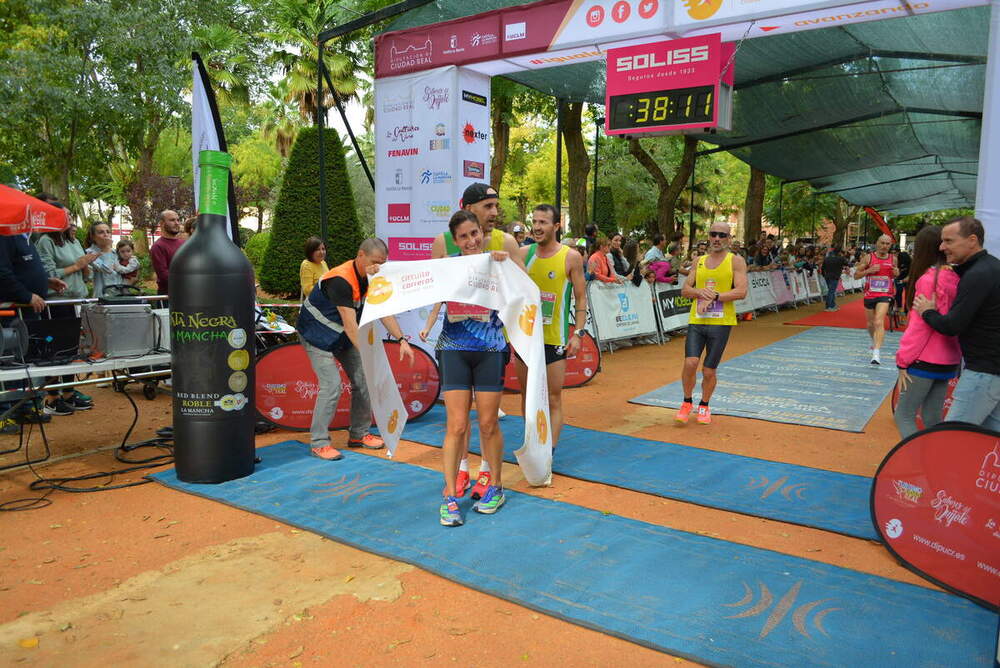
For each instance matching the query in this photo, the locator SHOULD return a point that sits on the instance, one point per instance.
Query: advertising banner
(666, 85)
(759, 289)
(287, 386)
(580, 368)
(781, 286)
(799, 290)
(812, 284)
(470, 279)
(431, 141)
(672, 308)
(621, 311)
(936, 504)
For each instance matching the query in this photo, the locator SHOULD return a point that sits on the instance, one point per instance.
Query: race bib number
(458, 311)
(712, 309)
(548, 307)
(878, 284)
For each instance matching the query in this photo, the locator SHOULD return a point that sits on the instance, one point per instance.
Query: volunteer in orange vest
(713, 285)
(879, 269)
(328, 328)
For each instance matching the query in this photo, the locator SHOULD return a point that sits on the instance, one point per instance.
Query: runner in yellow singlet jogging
(483, 201)
(712, 285)
(555, 269)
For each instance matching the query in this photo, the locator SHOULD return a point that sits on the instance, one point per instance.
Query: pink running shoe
(481, 485)
(704, 415)
(368, 441)
(462, 483)
(684, 412)
(327, 452)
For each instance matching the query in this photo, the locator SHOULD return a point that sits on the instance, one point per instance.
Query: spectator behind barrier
(313, 266)
(163, 249)
(128, 264)
(103, 267)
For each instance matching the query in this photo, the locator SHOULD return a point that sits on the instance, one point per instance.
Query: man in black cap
(482, 200)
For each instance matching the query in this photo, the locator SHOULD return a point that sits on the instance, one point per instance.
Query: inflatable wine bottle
(211, 294)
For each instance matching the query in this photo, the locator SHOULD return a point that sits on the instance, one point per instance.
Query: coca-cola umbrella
(21, 213)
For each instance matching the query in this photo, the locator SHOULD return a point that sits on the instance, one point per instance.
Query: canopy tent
(885, 113)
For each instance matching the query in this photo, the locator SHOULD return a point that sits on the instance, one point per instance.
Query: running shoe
(327, 452)
(462, 483)
(450, 514)
(83, 397)
(368, 442)
(704, 415)
(58, 407)
(78, 404)
(482, 483)
(491, 501)
(684, 412)
(876, 357)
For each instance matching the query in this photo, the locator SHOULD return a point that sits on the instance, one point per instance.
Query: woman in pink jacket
(926, 359)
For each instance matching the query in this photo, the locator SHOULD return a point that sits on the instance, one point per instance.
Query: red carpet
(850, 315)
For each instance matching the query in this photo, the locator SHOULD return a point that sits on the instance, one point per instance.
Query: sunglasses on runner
(720, 235)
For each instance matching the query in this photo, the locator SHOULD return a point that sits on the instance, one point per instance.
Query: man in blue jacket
(23, 281)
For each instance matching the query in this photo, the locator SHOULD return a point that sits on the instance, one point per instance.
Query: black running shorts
(710, 339)
(472, 369)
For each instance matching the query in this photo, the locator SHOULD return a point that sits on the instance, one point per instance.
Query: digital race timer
(662, 107)
(670, 86)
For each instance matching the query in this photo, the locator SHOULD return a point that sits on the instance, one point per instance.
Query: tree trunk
(669, 190)
(260, 219)
(579, 165)
(753, 207)
(501, 139)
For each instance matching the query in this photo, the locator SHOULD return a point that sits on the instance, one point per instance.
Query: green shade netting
(887, 113)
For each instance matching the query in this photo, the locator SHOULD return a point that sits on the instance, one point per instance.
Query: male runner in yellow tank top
(482, 200)
(555, 269)
(713, 285)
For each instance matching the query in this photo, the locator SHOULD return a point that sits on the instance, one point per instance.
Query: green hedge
(255, 248)
(296, 214)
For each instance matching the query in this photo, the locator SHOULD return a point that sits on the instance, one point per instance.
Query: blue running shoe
(491, 501)
(450, 515)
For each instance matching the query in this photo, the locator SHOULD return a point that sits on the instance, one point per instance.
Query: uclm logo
(399, 213)
(694, 54)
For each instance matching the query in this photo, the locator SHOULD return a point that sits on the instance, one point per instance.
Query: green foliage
(604, 213)
(255, 248)
(297, 212)
(912, 223)
(245, 235)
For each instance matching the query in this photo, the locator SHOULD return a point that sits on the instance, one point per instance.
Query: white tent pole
(988, 182)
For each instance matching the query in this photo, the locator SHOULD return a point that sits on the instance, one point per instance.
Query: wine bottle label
(212, 357)
(213, 193)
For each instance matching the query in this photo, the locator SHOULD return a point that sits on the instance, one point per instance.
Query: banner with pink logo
(936, 505)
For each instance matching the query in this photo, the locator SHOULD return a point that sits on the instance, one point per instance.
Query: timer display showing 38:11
(679, 106)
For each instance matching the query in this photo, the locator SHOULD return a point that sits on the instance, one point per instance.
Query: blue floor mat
(797, 494)
(822, 377)
(710, 600)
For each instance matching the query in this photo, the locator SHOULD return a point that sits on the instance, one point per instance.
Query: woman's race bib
(457, 311)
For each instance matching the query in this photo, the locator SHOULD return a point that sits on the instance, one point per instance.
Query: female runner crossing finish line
(472, 353)
(713, 285)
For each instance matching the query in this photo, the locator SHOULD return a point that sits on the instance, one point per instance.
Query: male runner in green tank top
(555, 269)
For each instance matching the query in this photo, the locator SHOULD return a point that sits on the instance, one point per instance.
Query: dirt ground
(150, 576)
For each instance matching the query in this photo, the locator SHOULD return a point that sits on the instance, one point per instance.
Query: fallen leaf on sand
(28, 643)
